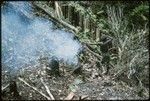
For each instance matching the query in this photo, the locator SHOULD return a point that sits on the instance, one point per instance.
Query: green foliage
(141, 9)
(140, 15)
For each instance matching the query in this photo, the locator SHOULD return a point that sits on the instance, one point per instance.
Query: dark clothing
(104, 47)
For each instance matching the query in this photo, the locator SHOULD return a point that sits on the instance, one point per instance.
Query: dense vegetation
(126, 22)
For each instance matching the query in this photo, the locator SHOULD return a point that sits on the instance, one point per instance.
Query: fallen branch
(34, 88)
(59, 21)
(47, 89)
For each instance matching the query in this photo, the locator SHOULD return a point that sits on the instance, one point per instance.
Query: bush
(132, 59)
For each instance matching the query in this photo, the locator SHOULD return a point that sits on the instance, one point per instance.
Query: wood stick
(47, 89)
(34, 88)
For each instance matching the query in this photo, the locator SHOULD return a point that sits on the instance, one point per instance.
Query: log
(56, 20)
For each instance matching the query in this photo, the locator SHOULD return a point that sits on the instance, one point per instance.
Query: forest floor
(87, 85)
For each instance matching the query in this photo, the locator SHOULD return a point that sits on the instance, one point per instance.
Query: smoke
(26, 37)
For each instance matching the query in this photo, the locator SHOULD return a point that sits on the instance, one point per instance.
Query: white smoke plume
(26, 37)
